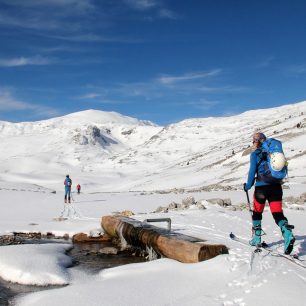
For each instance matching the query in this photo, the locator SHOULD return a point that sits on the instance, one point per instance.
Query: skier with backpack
(68, 184)
(78, 188)
(267, 169)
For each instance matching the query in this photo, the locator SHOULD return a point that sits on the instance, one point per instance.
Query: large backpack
(272, 167)
(68, 182)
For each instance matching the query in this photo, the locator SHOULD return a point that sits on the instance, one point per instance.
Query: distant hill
(106, 151)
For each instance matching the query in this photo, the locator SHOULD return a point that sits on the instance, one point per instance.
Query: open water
(86, 256)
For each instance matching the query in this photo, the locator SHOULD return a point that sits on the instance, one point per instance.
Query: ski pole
(248, 199)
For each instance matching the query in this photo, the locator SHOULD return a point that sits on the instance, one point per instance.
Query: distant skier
(68, 184)
(266, 191)
(78, 188)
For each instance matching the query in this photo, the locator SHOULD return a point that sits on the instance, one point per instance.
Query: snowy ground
(239, 278)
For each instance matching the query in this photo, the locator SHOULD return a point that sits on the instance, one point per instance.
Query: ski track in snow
(256, 266)
(248, 274)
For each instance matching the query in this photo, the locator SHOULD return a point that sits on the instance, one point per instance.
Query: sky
(158, 60)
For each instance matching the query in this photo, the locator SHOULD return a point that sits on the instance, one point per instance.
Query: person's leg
(69, 195)
(275, 201)
(65, 198)
(258, 207)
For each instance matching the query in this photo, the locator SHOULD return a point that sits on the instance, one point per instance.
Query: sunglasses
(256, 140)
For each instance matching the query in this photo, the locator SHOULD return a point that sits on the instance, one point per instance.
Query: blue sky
(160, 60)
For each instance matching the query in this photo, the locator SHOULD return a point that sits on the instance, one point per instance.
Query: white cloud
(165, 13)
(79, 5)
(141, 5)
(9, 103)
(29, 22)
(186, 85)
(90, 37)
(25, 61)
(167, 80)
(223, 89)
(203, 104)
(297, 69)
(90, 96)
(266, 62)
(46, 14)
(148, 5)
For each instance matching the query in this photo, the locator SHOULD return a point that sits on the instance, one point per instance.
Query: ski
(272, 251)
(244, 242)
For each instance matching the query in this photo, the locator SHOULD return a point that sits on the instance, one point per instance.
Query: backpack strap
(262, 157)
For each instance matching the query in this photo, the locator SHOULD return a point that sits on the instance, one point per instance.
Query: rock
(296, 200)
(222, 202)
(128, 132)
(200, 206)
(216, 201)
(50, 235)
(125, 213)
(182, 206)
(303, 197)
(188, 201)
(161, 209)
(173, 205)
(227, 202)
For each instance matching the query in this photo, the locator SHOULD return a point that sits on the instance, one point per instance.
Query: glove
(245, 187)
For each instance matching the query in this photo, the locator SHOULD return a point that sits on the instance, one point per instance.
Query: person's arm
(252, 171)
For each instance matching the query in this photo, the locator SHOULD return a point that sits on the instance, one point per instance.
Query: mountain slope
(107, 151)
(43, 151)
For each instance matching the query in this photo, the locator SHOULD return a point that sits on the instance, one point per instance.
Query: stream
(90, 257)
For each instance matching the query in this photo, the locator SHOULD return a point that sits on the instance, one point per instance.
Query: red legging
(273, 194)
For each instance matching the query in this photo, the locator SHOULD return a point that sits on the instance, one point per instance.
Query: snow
(31, 196)
(106, 151)
(233, 279)
(43, 264)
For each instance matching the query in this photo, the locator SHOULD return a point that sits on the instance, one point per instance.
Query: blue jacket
(68, 183)
(255, 164)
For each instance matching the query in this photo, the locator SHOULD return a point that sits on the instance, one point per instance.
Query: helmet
(259, 137)
(67, 175)
(278, 161)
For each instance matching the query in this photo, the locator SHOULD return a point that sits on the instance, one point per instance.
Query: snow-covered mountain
(106, 151)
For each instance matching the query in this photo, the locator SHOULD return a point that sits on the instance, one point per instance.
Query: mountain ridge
(108, 151)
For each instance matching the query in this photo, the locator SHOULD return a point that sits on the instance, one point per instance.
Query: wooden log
(167, 244)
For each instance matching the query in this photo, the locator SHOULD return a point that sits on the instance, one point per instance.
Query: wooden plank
(176, 246)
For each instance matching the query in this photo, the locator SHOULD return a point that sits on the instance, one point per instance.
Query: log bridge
(164, 242)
